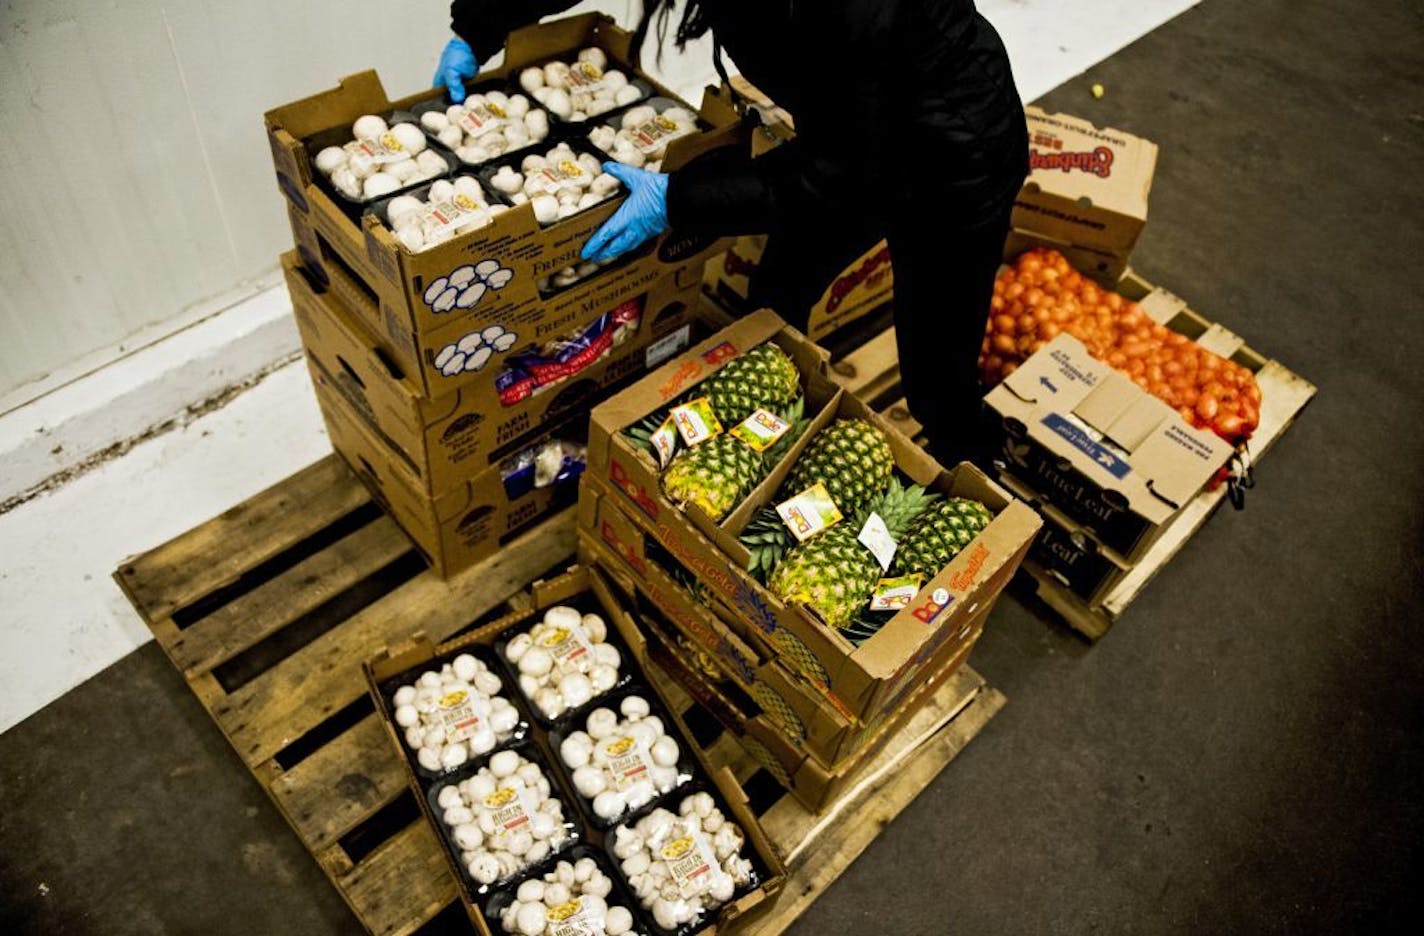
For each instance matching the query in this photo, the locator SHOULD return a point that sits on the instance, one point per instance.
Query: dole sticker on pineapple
(695, 420)
(664, 441)
(761, 429)
(809, 512)
(894, 594)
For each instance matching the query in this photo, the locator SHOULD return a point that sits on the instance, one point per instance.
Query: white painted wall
(137, 183)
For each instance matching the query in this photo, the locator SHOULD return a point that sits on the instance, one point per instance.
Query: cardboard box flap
(1138, 421)
(1060, 375)
(1168, 475)
(564, 37)
(1119, 164)
(361, 93)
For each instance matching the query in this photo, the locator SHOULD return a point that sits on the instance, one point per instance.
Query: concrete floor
(1241, 755)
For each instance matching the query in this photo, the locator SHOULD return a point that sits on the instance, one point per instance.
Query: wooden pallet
(872, 371)
(268, 611)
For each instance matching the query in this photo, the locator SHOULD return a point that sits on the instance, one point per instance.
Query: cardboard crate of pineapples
(838, 548)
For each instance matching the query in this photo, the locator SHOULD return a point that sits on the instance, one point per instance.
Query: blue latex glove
(642, 216)
(457, 63)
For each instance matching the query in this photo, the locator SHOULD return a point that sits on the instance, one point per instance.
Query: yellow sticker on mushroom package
(569, 645)
(690, 862)
(575, 919)
(458, 715)
(653, 135)
(511, 806)
(628, 761)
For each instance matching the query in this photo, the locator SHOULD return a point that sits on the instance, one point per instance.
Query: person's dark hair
(693, 25)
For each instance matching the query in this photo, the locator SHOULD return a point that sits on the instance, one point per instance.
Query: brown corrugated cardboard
(1067, 552)
(453, 529)
(1112, 456)
(399, 280)
(865, 679)
(866, 285)
(1087, 185)
(812, 783)
(571, 586)
(446, 440)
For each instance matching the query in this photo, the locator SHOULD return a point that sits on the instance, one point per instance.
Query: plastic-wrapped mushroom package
(582, 89)
(573, 898)
(504, 818)
(487, 125)
(683, 866)
(454, 713)
(564, 661)
(381, 159)
(622, 764)
(449, 209)
(558, 184)
(643, 133)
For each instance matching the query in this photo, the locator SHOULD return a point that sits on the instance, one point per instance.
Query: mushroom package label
(585, 76)
(651, 136)
(482, 118)
(690, 860)
(576, 919)
(512, 806)
(568, 644)
(382, 149)
(560, 175)
(627, 759)
(458, 716)
(447, 216)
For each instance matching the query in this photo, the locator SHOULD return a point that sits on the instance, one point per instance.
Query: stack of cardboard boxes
(812, 705)
(1107, 464)
(458, 415)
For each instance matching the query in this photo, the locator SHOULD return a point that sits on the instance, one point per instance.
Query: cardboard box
(867, 679)
(806, 715)
(453, 529)
(1112, 456)
(578, 586)
(865, 286)
(1087, 185)
(1068, 553)
(399, 280)
(1103, 267)
(813, 784)
(446, 440)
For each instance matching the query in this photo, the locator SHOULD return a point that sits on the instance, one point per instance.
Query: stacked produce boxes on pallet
(792, 623)
(454, 335)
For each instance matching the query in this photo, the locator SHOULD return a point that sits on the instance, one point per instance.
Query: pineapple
(939, 534)
(832, 573)
(719, 473)
(851, 457)
(763, 378)
(715, 475)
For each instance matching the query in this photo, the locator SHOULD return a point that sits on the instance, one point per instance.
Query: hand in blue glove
(457, 63)
(643, 215)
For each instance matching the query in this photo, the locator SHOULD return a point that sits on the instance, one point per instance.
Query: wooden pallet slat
(341, 785)
(401, 884)
(216, 553)
(296, 695)
(241, 623)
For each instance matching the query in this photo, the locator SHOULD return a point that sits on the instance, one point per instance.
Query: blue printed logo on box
(1085, 443)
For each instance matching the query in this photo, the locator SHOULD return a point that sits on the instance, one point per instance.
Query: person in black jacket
(908, 126)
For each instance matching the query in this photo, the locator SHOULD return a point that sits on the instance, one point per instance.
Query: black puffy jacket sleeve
(486, 24)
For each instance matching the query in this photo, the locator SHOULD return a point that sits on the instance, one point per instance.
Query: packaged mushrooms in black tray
(639, 136)
(451, 711)
(565, 662)
(492, 120)
(377, 156)
(684, 860)
(559, 182)
(574, 91)
(576, 894)
(443, 210)
(502, 815)
(622, 756)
